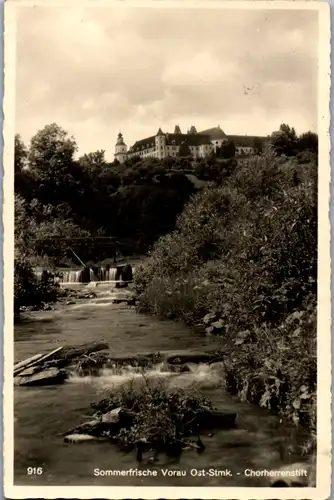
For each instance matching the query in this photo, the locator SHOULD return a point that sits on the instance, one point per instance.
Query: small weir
(121, 273)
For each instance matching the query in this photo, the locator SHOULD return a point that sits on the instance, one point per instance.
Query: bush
(246, 252)
(30, 291)
(277, 368)
(162, 417)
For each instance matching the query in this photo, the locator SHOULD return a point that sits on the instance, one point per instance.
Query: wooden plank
(26, 362)
(39, 360)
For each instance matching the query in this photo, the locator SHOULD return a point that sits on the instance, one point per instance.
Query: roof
(214, 133)
(245, 140)
(149, 142)
(171, 140)
(120, 140)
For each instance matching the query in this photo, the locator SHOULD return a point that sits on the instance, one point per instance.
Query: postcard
(167, 250)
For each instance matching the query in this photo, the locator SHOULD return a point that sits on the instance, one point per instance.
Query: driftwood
(69, 353)
(45, 369)
(26, 362)
(40, 360)
(72, 352)
(194, 357)
(110, 422)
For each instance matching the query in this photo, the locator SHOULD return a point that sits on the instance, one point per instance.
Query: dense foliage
(245, 252)
(286, 142)
(161, 417)
(137, 201)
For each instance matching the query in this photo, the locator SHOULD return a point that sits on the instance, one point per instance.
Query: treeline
(136, 202)
(242, 262)
(58, 195)
(63, 196)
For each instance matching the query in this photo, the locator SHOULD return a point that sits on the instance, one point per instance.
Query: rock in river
(46, 377)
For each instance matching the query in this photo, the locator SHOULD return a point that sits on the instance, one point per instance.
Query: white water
(77, 275)
(200, 376)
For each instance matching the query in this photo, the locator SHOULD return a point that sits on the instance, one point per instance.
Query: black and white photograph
(167, 258)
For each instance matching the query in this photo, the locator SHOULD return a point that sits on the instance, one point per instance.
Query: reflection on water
(43, 414)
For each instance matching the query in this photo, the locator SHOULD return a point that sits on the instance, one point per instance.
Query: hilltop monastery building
(198, 144)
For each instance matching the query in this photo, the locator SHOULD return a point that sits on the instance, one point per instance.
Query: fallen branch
(38, 361)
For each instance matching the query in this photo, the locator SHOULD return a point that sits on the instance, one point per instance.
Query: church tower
(120, 149)
(160, 144)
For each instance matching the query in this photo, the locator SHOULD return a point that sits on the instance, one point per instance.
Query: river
(259, 440)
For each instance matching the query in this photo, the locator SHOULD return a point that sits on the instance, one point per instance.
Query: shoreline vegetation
(237, 257)
(242, 263)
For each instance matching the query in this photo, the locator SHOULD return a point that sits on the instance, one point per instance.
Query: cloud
(96, 70)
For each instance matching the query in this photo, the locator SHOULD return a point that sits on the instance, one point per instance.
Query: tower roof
(177, 130)
(120, 140)
(160, 132)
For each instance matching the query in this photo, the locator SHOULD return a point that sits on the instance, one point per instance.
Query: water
(43, 414)
(105, 274)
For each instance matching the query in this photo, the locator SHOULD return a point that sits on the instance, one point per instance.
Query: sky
(96, 71)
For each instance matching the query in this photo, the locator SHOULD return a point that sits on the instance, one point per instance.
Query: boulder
(107, 424)
(120, 297)
(193, 357)
(208, 318)
(218, 325)
(111, 417)
(50, 376)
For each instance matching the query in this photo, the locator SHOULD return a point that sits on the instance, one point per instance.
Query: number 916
(35, 471)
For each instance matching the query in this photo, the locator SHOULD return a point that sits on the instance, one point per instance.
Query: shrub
(277, 368)
(247, 249)
(246, 252)
(161, 416)
(30, 291)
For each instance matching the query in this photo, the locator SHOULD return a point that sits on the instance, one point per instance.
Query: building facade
(193, 143)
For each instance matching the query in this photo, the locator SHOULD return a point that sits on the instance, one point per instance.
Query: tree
(22, 179)
(51, 158)
(226, 150)
(284, 140)
(184, 150)
(258, 145)
(96, 159)
(51, 150)
(308, 142)
(20, 154)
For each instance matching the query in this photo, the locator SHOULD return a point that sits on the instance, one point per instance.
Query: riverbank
(242, 264)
